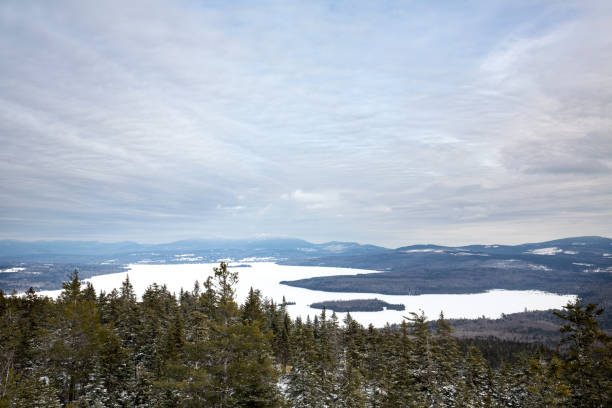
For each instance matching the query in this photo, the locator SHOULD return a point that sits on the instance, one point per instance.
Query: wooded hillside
(202, 349)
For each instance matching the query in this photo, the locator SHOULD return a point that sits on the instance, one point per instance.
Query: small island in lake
(357, 305)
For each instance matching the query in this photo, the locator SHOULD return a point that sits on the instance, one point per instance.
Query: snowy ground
(266, 276)
(12, 270)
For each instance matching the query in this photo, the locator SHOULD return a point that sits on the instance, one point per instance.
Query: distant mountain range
(289, 247)
(578, 254)
(205, 250)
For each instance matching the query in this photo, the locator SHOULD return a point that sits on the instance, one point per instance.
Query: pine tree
(545, 387)
(282, 338)
(587, 361)
(75, 346)
(422, 361)
(10, 340)
(252, 309)
(27, 392)
(327, 348)
(157, 311)
(478, 382)
(352, 393)
(128, 325)
(174, 339)
(398, 385)
(205, 351)
(375, 365)
(446, 378)
(240, 364)
(303, 386)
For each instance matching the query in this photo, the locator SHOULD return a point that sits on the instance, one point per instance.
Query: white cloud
(422, 124)
(313, 200)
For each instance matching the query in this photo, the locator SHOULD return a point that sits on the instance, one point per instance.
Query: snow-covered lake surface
(266, 276)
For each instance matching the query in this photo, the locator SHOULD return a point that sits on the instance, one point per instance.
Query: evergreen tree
(203, 350)
(478, 390)
(304, 388)
(75, 347)
(421, 362)
(352, 392)
(587, 361)
(327, 348)
(23, 391)
(252, 309)
(545, 387)
(398, 385)
(446, 377)
(128, 325)
(374, 365)
(240, 365)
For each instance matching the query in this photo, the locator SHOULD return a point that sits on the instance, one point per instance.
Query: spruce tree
(545, 386)
(587, 357)
(239, 364)
(446, 377)
(75, 346)
(303, 386)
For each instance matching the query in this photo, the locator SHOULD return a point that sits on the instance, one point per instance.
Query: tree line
(202, 349)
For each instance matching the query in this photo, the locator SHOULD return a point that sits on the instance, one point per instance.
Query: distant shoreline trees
(357, 305)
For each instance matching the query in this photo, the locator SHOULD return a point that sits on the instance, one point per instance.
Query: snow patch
(187, 258)
(506, 263)
(545, 251)
(12, 270)
(258, 259)
(518, 264)
(160, 261)
(335, 248)
(550, 251)
(599, 270)
(538, 267)
(469, 254)
(408, 251)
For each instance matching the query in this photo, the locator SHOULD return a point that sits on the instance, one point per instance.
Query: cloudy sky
(380, 122)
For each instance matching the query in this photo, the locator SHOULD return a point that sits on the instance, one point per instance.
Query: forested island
(202, 349)
(357, 305)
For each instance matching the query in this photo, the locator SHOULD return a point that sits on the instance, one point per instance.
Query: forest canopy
(200, 348)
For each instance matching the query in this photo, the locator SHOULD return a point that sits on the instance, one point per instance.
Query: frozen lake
(266, 276)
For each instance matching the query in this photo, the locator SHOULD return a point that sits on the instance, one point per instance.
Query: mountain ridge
(92, 247)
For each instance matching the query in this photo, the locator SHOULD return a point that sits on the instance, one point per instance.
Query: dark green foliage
(587, 359)
(497, 351)
(201, 349)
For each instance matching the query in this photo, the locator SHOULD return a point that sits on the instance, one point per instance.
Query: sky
(386, 122)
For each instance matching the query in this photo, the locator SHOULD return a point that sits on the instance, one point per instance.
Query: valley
(489, 290)
(267, 277)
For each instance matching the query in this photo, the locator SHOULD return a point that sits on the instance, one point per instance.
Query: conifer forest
(200, 348)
